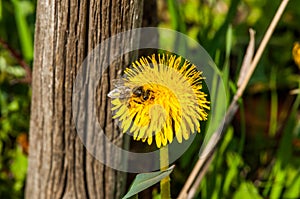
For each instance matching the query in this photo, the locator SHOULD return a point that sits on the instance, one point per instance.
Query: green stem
(165, 182)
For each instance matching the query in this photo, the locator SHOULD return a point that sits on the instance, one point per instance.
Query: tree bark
(66, 31)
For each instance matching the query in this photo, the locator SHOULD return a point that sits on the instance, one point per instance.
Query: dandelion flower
(296, 53)
(160, 96)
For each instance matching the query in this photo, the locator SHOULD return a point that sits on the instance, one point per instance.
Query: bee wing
(115, 93)
(120, 92)
(118, 83)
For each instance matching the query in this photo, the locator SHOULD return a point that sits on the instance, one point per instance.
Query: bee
(138, 95)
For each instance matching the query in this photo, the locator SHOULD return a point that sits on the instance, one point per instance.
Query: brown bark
(59, 165)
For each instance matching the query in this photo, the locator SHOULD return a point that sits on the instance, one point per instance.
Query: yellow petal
(150, 140)
(164, 140)
(158, 139)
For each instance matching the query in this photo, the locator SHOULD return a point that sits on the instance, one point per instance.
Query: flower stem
(165, 182)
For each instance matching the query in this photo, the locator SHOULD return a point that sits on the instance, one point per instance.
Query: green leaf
(13, 106)
(19, 168)
(233, 161)
(293, 184)
(144, 180)
(0, 10)
(247, 191)
(22, 9)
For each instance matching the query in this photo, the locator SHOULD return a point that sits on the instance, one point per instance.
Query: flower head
(160, 96)
(296, 53)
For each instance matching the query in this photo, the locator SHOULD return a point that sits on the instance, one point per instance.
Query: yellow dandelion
(160, 96)
(296, 53)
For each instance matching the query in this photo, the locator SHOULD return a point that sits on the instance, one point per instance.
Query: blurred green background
(259, 156)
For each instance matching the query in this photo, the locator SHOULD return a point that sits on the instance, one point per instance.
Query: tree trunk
(66, 31)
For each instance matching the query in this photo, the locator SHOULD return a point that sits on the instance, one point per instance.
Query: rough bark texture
(59, 165)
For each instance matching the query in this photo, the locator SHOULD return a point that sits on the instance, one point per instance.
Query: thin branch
(196, 184)
(20, 60)
(247, 58)
(201, 167)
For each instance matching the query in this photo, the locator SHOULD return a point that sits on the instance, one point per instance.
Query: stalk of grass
(0, 9)
(23, 31)
(274, 105)
(278, 178)
(219, 36)
(177, 21)
(178, 24)
(243, 128)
